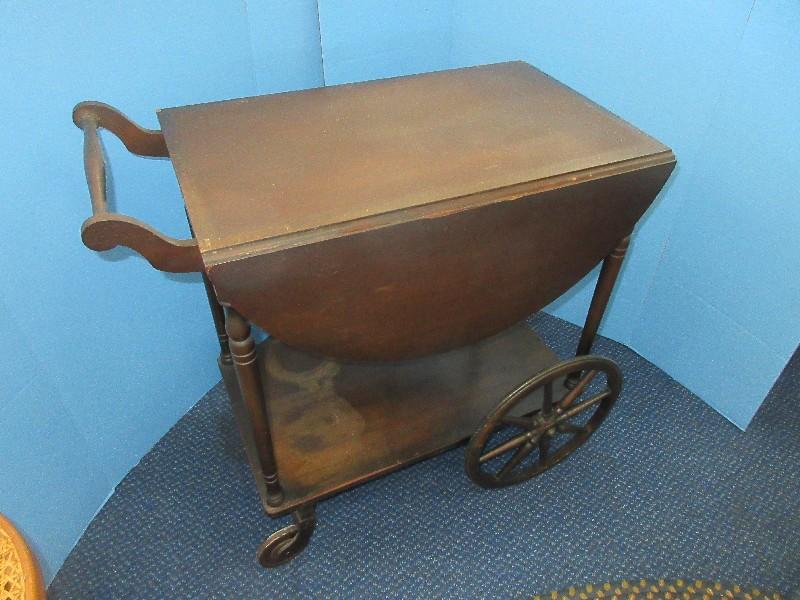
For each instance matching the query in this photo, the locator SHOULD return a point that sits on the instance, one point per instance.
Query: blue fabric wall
(285, 44)
(103, 354)
(707, 292)
(722, 314)
(364, 39)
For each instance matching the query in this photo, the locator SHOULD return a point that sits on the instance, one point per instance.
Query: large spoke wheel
(510, 447)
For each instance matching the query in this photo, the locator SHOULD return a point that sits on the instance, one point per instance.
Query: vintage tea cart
(392, 236)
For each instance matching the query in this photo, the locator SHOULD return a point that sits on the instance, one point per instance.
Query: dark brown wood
(218, 314)
(314, 160)
(424, 213)
(602, 293)
(141, 141)
(548, 430)
(94, 165)
(433, 284)
(228, 372)
(257, 431)
(597, 308)
(104, 230)
(389, 235)
(335, 425)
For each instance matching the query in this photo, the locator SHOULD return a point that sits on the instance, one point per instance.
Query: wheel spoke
(515, 460)
(540, 423)
(523, 422)
(504, 447)
(579, 408)
(577, 390)
(569, 428)
(547, 403)
(544, 448)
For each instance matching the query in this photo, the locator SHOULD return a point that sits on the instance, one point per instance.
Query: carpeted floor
(665, 488)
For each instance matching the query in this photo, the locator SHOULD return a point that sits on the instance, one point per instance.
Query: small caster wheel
(283, 545)
(510, 448)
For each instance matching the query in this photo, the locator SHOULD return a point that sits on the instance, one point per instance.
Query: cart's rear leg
(283, 545)
(602, 293)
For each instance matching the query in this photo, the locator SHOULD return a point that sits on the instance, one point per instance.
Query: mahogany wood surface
(105, 230)
(434, 284)
(399, 218)
(335, 425)
(388, 235)
(256, 172)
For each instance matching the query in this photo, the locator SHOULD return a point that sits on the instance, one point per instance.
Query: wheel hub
(530, 449)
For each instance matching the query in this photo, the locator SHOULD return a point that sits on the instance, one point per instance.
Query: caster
(283, 545)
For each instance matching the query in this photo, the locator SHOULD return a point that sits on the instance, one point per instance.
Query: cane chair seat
(20, 578)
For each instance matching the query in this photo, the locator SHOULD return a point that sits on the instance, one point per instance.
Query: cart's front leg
(253, 425)
(218, 314)
(283, 545)
(228, 372)
(602, 293)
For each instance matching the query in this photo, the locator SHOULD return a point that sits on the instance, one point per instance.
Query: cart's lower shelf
(335, 425)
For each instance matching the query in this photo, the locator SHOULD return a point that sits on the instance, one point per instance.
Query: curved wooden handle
(104, 230)
(138, 140)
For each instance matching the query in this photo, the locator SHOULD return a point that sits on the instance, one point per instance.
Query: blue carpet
(665, 488)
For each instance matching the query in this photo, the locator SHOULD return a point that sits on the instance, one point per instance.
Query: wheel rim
(509, 448)
(277, 548)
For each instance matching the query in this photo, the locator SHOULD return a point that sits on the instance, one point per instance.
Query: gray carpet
(666, 488)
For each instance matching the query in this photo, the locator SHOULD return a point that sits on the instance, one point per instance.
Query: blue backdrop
(708, 293)
(103, 354)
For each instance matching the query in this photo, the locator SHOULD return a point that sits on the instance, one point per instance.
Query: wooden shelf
(336, 425)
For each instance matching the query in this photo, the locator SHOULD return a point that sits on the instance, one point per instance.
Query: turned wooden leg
(597, 308)
(254, 427)
(218, 314)
(228, 372)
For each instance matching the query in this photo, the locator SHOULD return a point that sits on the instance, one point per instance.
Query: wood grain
(335, 425)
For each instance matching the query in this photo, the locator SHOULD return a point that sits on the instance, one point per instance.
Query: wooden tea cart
(391, 237)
